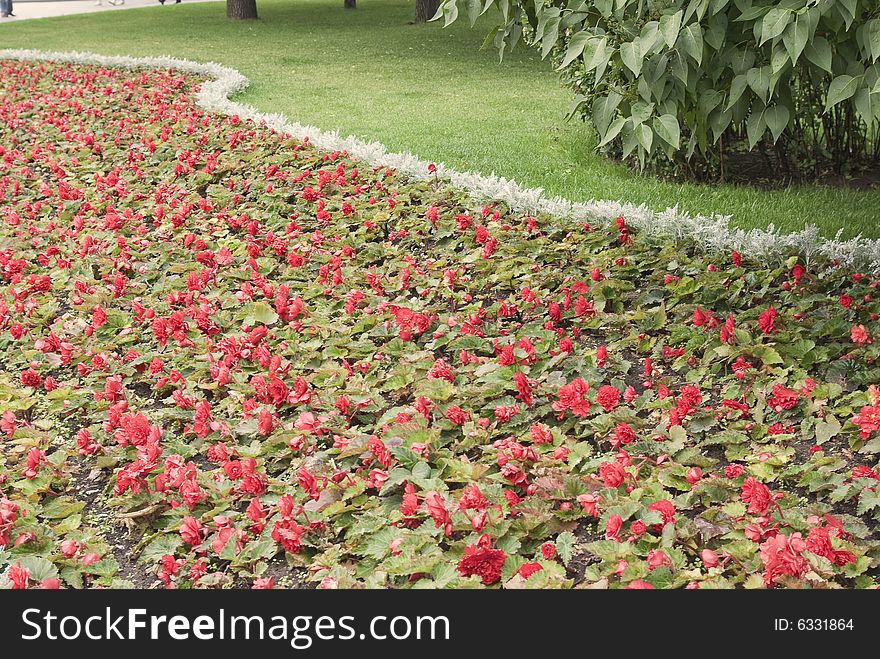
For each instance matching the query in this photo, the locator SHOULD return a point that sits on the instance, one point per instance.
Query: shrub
(696, 81)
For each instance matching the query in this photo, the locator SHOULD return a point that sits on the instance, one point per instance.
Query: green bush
(695, 83)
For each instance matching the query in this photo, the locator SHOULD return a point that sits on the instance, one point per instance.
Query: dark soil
(752, 168)
(102, 520)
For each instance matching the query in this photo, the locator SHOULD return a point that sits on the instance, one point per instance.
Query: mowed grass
(430, 90)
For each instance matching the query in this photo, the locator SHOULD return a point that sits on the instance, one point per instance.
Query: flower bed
(230, 358)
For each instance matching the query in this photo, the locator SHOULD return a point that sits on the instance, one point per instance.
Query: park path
(24, 10)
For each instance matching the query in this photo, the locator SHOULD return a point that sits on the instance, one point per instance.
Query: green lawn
(433, 91)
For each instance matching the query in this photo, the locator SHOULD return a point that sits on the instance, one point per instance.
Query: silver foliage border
(711, 233)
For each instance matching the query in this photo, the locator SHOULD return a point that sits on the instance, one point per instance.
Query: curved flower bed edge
(711, 233)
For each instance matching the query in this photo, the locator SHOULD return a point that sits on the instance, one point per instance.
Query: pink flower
(8, 423)
(589, 503)
(638, 584)
(666, 510)
(263, 583)
(623, 435)
(548, 551)
(756, 495)
(657, 558)
(733, 471)
(526, 570)
(612, 527)
(728, 329)
(860, 335)
(30, 378)
(709, 557)
(472, 498)
(456, 415)
(740, 367)
(608, 397)
(192, 531)
(440, 371)
(18, 576)
(572, 397)
(782, 398)
(868, 420)
(694, 475)
(69, 548)
(638, 528)
(864, 472)
(90, 558)
(766, 320)
(540, 433)
(265, 421)
(135, 429)
(781, 555)
(612, 474)
(437, 509)
(523, 387)
(482, 560)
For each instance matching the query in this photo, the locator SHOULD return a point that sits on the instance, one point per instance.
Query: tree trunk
(241, 10)
(351, 4)
(425, 10)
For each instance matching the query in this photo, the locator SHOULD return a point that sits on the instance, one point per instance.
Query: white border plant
(712, 233)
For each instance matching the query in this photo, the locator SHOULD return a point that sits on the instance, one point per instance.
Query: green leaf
(631, 55)
(613, 130)
(670, 24)
(868, 500)
(667, 128)
(603, 111)
(474, 8)
(61, 508)
(167, 543)
(262, 313)
(741, 60)
(850, 13)
(841, 88)
(576, 46)
(777, 118)
(599, 60)
(550, 36)
(692, 42)
(450, 12)
(758, 80)
(768, 356)
(864, 104)
(737, 87)
(645, 136)
(650, 37)
(796, 36)
(779, 58)
(710, 100)
(72, 577)
(677, 438)
(605, 7)
(564, 546)
(40, 569)
(641, 112)
(256, 551)
(774, 23)
(827, 429)
(872, 30)
(818, 51)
